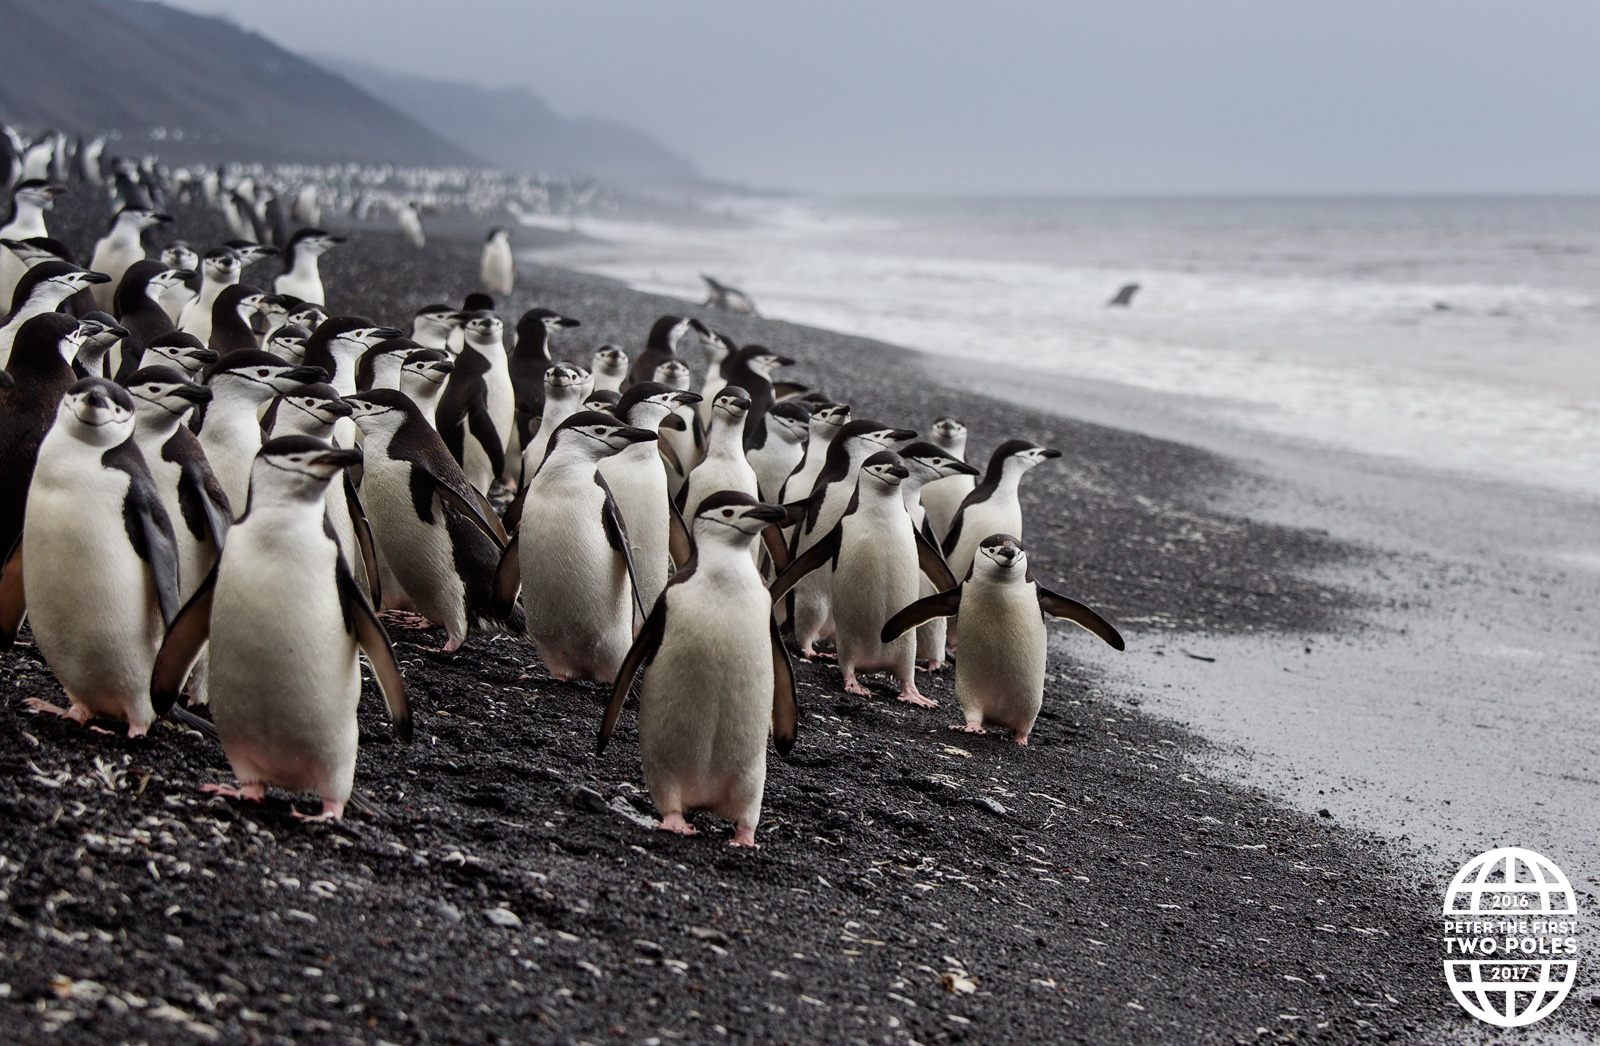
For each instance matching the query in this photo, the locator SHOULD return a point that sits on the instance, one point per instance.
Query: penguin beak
(338, 408)
(50, 192)
(161, 219)
(184, 275)
(566, 321)
(1046, 454)
(633, 435)
(193, 393)
(899, 435)
(961, 468)
(264, 250)
(782, 361)
(114, 329)
(898, 471)
(767, 513)
(306, 375)
(204, 355)
(685, 398)
(384, 333)
(700, 327)
(337, 459)
(94, 277)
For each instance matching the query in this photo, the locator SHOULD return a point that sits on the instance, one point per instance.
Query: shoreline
(1103, 886)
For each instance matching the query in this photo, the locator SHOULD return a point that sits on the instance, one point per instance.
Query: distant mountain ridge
(214, 90)
(513, 127)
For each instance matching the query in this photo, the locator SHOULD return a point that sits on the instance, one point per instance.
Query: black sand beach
(912, 884)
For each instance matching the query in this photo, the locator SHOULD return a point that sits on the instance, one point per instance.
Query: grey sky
(1112, 96)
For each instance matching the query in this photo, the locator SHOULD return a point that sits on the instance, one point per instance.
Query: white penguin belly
(1000, 673)
(942, 498)
(996, 516)
(284, 680)
(420, 554)
(876, 578)
(91, 599)
(705, 706)
(574, 585)
(638, 480)
(502, 405)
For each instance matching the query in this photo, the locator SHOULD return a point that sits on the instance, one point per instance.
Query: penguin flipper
(490, 516)
(953, 536)
(507, 580)
(481, 425)
(669, 455)
(680, 546)
(363, 530)
(785, 710)
(933, 564)
(940, 604)
(643, 651)
(149, 528)
(617, 535)
(374, 642)
(13, 601)
(1057, 605)
(513, 517)
(772, 539)
(185, 638)
(824, 551)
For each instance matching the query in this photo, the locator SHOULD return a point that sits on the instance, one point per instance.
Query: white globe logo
(1510, 922)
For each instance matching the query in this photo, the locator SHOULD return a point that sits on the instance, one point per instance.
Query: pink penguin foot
(852, 685)
(449, 648)
(332, 810)
(1021, 739)
(253, 792)
(75, 713)
(674, 822)
(933, 666)
(744, 835)
(912, 696)
(969, 728)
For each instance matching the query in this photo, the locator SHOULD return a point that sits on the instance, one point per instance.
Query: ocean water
(1460, 333)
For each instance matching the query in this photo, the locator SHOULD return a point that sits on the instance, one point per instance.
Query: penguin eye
(727, 512)
(262, 373)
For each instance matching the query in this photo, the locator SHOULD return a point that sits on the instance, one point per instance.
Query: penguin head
(483, 328)
(435, 322)
(57, 281)
(827, 419)
(348, 337)
(1000, 556)
(732, 404)
(674, 373)
(730, 517)
(716, 347)
(309, 315)
(1018, 455)
(872, 434)
(183, 351)
(885, 469)
(949, 433)
(560, 379)
(140, 218)
(667, 331)
(427, 365)
(604, 401)
(250, 253)
(97, 411)
(164, 390)
(36, 192)
(100, 331)
(296, 469)
(320, 402)
(930, 463)
(259, 376)
(647, 403)
(593, 435)
(551, 320)
(499, 234)
(610, 360)
(313, 242)
(222, 265)
(178, 255)
(763, 360)
(289, 341)
(161, 282)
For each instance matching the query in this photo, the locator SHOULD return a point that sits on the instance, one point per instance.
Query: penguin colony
(216, 495)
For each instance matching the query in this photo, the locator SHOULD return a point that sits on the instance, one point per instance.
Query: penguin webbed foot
(332, 810)
(675, 823)
(405, 619)
(744, 835)
(852, 685)
(253, 792)
(77, 713)
(970, 728)
(912, 696)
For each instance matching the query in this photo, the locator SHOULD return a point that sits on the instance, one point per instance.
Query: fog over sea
(1461, 333)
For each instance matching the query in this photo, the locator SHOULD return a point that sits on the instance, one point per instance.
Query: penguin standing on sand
(661, 346)
(826, 421)
(570, 554)
(724, 467)
(436, 533)
(993, 506)
(820, 512)
(637, 477)
(219, 270)
(682, 432)
(496, 270)
(30, 198)
(942, 497)
(98, 570)
(530, 358)
(486, 449)
(120, 247)
(230, 429)
(928, 464)
(41, 372)
(285, 621)
(41, 290)
(410, 220)
(1000, 676)
(717, 679)
(881, 554)
(301, 276)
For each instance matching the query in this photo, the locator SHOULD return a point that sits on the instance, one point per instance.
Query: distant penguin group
(218, 498)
